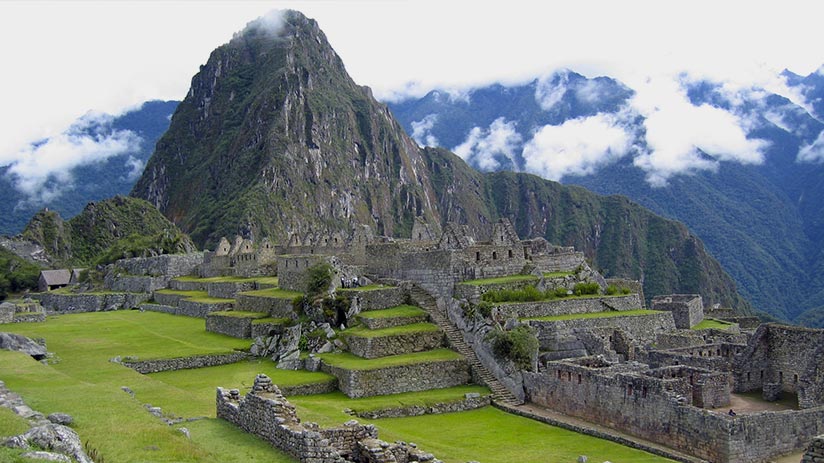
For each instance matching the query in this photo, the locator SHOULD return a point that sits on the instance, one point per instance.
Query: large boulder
(57, 438)
(20, 343)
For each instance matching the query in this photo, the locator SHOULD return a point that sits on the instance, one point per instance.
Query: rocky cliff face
(274, 138)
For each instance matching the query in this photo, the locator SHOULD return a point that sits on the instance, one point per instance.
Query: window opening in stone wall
(748, 376)
(629, 389)
(477, 256)
(579, 378)
(510, 253)
(795, 378)
(559, 374)
(569, 376)
(718, 352)
(644, 392)
(494, 255)
(762, 375)
(526, 253)
(780, 376)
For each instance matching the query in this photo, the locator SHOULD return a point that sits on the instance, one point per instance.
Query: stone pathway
(499, 392)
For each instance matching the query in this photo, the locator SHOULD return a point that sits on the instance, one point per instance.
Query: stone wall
(135, 283)
(264, 412)
(173, 265)
(229, 289)
(169, 309)
(719, 357)
(374, 299)
(815, 451)
(402, 378)
(659, 410)
(570, 306)
(640, 328)
(789, 356)
(687, 309)
(187, 285)
(7, 312)
(381, 323)
(562, 261)
(292, 269)
(383, 346)
(473, 292)
(468, 403)
(168, 298)
(90, 302)
(183, 363)
(201, 309)
(236, 327)
(274, 306)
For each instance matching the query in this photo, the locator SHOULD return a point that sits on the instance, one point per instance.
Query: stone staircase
(455, 337)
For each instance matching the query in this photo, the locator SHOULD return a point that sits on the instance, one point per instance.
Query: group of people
(347, 283)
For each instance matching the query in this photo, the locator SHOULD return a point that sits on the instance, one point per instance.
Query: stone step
(456, 341)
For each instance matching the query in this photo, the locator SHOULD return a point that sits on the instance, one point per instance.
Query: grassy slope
(363, 332)
(394, 312)
(580, 316)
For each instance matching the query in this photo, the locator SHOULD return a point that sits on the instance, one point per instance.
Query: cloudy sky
(63, 59)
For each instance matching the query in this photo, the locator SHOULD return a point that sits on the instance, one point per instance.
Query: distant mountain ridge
(95, 180)
(275, 138)
(765, 223)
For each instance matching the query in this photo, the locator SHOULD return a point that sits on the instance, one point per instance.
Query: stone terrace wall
(201, 309)
(174, 265)
(815, 451)
(183, 363)
(641, 328)
(473, 292)
(276, 307)
(382, 346)
(563, 261)
(135, 283)
(403, 378)
(570, 306)
(90, 302)
(431, 269)
(375, 299)
(236, 327)
(228, 289)
(381, 323)
(187, 285)
(292, 269)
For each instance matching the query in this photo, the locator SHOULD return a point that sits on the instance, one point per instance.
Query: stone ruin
(266, 413)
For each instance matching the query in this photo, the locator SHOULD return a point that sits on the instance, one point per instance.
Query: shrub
(581, 289)
(518, 345)
(611, 290)
(318, 278)
(561, 292)
(526, 294)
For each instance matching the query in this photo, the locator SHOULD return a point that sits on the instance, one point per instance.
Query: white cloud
(42, 171)
(550, 89)
(135, 166)
(482, 147)
(422, 131)
(813, 152)
(576, 147)
(676, 130)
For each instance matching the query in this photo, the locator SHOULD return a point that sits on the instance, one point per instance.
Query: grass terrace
(500, 280)
(372, 287)
(351, 362)
(240, 314)
(178, 292)
(581, 316)
(276, 293)
(363, 332)
(273, 321)
(557, 274)
(225, 279)
(401, 311)
(328, 409)
(711, 323)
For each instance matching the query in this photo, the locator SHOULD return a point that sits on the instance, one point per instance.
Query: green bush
(318, 278)
(581, 289)
(518, 345)
(16, 274)
(560, 292)
(526, 294)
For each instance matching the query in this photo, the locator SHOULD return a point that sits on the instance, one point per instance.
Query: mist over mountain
(98, 157)
(740, 166)
(275, 138)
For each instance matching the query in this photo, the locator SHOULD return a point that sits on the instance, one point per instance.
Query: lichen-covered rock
(58, 438)
(20, 343)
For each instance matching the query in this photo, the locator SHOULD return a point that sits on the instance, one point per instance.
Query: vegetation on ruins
(518, 345)
(610, 314)
(530, 293)
(394, 312)
(318, 279)
(16, 274)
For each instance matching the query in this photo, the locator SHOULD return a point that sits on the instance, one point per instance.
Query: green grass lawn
(364, 332)
(11, 424)
(711, 323)
(180, 292)
(352, 362)
(276, 293)
(240, 314)
(500, 280)
(372, 287)
(86, 385)
(401, 311)
(226, 279)
(557, 274)
(197, 386)
(580, 316)
(328, 409)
